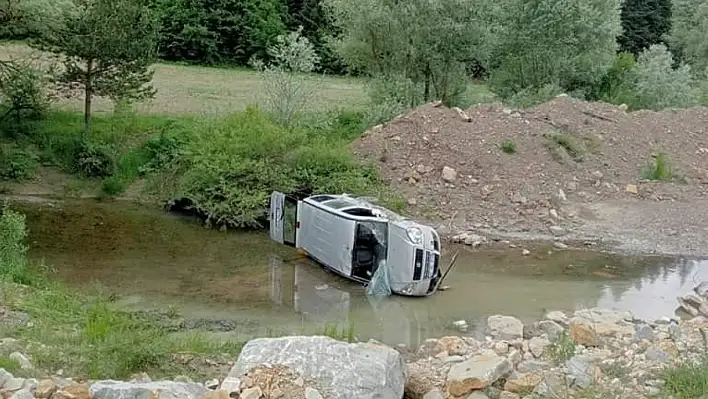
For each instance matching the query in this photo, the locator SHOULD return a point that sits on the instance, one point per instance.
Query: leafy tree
(107, 46)
(285, 79)
(20, 19)
(316, 27)
(566, 43)
(218, 31)
(689, 33)
(644, 22)
(658, 85)
(425, 42)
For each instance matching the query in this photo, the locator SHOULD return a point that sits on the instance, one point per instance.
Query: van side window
(359, 212)
(321, 198)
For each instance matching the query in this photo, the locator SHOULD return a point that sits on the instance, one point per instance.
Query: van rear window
(339, 204)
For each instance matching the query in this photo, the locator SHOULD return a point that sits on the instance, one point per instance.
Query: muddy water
(257, 287)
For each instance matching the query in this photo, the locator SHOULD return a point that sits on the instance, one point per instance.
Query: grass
(658, 169)
(197, 90)
(688, 380)
(508, 147)
(564, 145)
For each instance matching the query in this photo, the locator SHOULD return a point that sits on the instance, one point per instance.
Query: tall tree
(644, 22)
(688, 39)
(566, 43)
(107, 47)
(424, 42)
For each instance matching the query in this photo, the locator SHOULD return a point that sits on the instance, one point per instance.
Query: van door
(283, 218)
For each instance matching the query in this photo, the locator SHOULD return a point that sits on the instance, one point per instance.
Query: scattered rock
(522, 382)
(251, 393)
(525, 252)
(434, 394)
(476, 373)
(538, 345)
(45, 389)
(631, 188)
(505, 327)
(449, 174)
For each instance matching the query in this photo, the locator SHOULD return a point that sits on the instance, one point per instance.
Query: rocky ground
(592, 353)
(565, 170)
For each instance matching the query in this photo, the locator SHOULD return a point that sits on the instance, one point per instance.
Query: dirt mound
(521, 170)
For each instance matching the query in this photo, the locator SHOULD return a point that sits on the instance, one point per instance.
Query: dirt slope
(571, 158)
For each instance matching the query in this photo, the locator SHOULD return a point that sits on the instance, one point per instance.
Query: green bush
(231, 165)
(16, 164)
(658, 85)
(93, 160)
(616, 87)
(13, 252)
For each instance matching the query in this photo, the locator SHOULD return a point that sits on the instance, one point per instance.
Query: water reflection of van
(352, 237)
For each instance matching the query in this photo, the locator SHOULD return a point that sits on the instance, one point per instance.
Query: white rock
(25, 363)
(311, 393)
(449, 174)
(505, 327)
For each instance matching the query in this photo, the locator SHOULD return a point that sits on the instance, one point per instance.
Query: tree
(566, 43)
(689, 33)
(644, 22)
(658, 85)
(219, 31)
(425, 42)
(107, 47)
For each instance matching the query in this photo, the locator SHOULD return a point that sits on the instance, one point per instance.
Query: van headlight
(415, 235)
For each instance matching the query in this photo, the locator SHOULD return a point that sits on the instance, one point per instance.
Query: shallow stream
(152, 259)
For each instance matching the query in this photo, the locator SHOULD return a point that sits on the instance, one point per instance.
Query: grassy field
(203, 90)
(196, 90)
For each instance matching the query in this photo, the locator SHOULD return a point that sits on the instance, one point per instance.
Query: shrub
(658, 85)
(687, 380)
(508, 147)
(616, 87)
(286, 85)
(13, 252)
(230, 167)
(16, 164)
(93, 160)
(23, 92)
(658, 169)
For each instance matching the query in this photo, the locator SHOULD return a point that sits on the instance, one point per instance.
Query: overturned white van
(353, 238)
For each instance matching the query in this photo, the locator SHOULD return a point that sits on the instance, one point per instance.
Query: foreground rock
(343, 370)
(146, 390)
(592, 353)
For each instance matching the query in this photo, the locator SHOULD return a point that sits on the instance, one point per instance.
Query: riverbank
(591, 353)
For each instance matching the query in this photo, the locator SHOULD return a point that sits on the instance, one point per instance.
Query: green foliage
(230, 166)
(658, 85)
(562, 349)
(286, 85)
(616, 87)
(316, 27)
(107, 46)
(688, 380)
(12, 366)
(99, 341)
(569, 44)
(16, 163)
(644, 23)
(226, 31)
(564, 146)
(20, 19)
(425, 44)
(23, 92)
(508, 147)
(687, 39)
(532, 96)
(93, 159)
(112, 186)
(658, 169)
(14, 267)
(342, 334)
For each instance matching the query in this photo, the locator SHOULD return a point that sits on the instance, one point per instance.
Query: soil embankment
(564, 170)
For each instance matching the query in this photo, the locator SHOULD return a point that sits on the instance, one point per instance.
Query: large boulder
(110, 389)
(343, 370)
